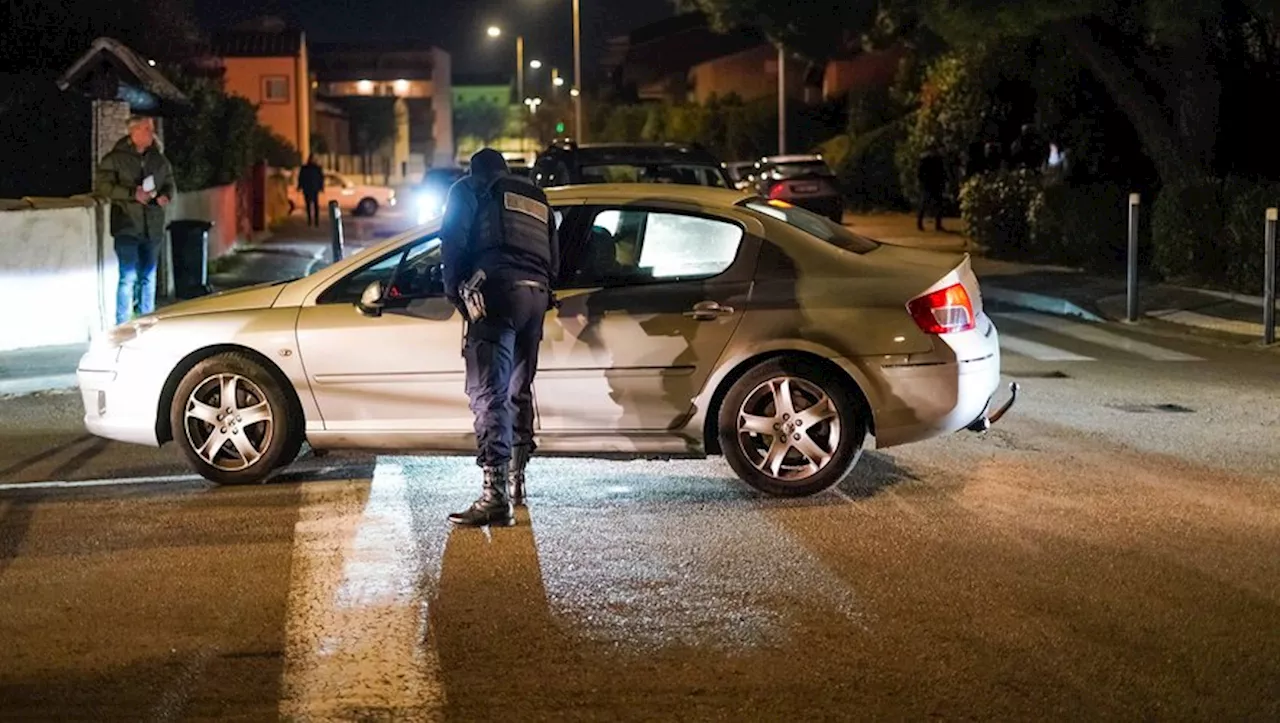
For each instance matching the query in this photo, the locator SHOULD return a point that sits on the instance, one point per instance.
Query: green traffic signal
(560, 128)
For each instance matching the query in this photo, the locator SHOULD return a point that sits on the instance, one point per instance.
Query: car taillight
(777, 190)
(943, 311)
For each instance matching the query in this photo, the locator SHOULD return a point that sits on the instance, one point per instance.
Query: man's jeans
(137, 276)
(502, 358)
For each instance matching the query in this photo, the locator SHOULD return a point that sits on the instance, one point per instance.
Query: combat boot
(493, 507)
(515, 479)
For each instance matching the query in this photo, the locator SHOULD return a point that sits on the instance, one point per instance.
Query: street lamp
(577, 73)
(535, 64)
(557, 81)
(533, 104)
(495, 32)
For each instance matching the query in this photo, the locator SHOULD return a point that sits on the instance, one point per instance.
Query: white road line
(1096, 335)
(357, 639)
(1036, 350)
(58, 484)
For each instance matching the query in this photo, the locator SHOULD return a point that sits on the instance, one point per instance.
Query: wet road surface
(1110, 550)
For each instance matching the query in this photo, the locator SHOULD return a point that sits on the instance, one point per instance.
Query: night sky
(458, 26)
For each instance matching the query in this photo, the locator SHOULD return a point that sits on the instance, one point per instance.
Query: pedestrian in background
(932, 175)
(311, 183)
(502, 225)
(138, 180)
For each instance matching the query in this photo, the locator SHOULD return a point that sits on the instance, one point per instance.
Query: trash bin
(189, 244)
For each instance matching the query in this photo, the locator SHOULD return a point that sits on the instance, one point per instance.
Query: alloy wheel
(789, 428)
(229, 422)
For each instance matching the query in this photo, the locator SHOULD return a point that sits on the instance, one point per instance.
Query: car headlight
(123, 334)
(429, 206)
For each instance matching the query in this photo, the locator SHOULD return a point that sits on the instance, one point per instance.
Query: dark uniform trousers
(501, 358)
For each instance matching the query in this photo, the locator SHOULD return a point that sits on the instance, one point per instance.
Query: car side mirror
(371, 301)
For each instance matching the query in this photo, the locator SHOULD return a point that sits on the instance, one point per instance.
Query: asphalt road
(1111, 550)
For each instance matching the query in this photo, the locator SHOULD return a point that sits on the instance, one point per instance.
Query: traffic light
(560, 127)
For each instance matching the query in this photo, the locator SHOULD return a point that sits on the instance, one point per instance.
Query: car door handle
(708, 311)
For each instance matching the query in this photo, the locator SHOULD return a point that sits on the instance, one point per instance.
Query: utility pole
(782, 99)
(577, 73)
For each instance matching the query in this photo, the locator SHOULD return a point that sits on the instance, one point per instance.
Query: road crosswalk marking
(1036, 350)
(1086, 332)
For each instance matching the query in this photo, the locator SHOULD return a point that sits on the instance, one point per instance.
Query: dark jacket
(310, 180)
(119, 175)
(462, 244)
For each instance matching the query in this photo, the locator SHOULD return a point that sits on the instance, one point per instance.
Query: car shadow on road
(875, 473)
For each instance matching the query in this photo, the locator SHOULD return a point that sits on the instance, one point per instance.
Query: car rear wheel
(367, 207)
(234, 421)
(791, 428)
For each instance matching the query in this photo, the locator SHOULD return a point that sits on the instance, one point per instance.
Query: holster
(472, 297)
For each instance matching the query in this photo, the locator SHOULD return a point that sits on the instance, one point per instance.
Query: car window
(409, 267)
(635, 246)
(813, 224)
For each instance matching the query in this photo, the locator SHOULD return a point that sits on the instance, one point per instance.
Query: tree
(482, 118)
(1170, 66)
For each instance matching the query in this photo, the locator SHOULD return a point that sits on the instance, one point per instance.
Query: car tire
(250, 450)
(827, 420)
(367, 207)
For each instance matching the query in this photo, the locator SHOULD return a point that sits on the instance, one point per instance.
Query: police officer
(503, 225)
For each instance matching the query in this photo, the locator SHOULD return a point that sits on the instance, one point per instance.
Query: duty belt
(530, 284)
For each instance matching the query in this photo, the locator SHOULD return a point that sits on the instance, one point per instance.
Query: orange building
(270, 68)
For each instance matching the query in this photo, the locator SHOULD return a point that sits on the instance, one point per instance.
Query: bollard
(335, 217)
(1132, 295)
(1269, 280)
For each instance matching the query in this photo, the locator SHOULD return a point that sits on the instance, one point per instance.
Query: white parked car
(692, 321)
(354, 198)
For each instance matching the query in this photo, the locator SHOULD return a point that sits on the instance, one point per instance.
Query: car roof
(707, 196)
(794, 158)
(602, 153)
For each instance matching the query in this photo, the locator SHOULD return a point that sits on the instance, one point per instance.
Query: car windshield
(804, 168)
(687, 175)
(813, 224)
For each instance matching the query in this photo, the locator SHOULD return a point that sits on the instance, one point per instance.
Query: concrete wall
(58, 272)
(58, 267)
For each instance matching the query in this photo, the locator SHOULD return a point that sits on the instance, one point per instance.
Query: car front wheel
(234, 421)
(790, 428)
(367, 207)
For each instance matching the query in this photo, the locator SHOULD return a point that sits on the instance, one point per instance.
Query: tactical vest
(512, 230)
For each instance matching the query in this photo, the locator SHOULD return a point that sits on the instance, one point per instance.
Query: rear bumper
(920, 401)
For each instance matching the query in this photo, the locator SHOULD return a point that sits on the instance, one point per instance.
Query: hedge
(1084, 226)
(1210, 232)
(867, 173)
(994, 207)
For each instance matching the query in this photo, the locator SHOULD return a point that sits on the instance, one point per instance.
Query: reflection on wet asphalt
(959, 579)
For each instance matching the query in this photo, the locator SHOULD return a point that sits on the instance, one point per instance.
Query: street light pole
(782, 100)
(577, 73)
(520, 68)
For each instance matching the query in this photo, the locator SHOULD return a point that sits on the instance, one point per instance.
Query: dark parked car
(742, 173)
(804, 181)
(566, 163)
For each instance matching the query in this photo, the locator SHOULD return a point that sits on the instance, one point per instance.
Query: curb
(34, 385)
(1037, 302)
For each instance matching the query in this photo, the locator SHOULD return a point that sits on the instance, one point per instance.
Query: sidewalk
(1071, 292)
(43, 369)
